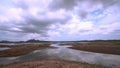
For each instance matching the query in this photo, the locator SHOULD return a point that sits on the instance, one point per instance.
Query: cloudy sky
(59, 20)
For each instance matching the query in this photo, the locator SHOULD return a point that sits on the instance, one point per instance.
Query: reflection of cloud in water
(8, 60)
(35, 55)
(84, 56)
(4, 48)
(68, 54)
(10, 44)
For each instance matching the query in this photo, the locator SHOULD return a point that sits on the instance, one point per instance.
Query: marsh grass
(51, 64)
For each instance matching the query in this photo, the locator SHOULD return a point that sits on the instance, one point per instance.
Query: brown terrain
(21, 49)
(98, 47)
(50, 64)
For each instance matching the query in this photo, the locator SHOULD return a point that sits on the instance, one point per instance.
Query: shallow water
(4, 48)
(10, 44)
(65, 53)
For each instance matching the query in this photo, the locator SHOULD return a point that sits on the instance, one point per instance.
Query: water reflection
(65, 53)
(10, 44)
(4, 48)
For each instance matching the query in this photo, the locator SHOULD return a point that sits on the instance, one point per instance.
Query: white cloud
(109, 28)
(58, 19)
(74, 26)
(11, 14)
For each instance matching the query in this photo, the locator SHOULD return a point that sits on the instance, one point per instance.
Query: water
(4, 48)
(65, 53)
(10, 44)
(58, 46)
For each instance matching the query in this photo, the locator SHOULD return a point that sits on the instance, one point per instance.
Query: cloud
(31, 19)
(83, 6)
(67, 4)
(107, 3)
(59, 19)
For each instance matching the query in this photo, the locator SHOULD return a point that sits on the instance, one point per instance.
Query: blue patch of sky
(5, 4)
(2, 33)
(96, 16)
(113, 12)
(97, 12)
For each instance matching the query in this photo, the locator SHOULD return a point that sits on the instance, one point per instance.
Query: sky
(59, 20)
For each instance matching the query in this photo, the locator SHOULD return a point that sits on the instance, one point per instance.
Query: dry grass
(51, 64)
(22, 49)
(99, 47)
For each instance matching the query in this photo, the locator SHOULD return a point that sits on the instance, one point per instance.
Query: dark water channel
(65, 53)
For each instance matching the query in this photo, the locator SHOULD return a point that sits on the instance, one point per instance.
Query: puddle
(65, 53)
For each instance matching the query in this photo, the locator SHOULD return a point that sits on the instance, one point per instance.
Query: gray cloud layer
(41, 23)
(71, 4)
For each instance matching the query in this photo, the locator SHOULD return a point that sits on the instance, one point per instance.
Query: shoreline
(22, 49)
(97, 47)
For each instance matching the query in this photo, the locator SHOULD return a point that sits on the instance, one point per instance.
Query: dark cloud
(66, 4)
(32, 25)
(38, 20)
(3, 28)
(82, 14)
(70, 4)
(106, 3)
(83, 31)
(35, 26)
